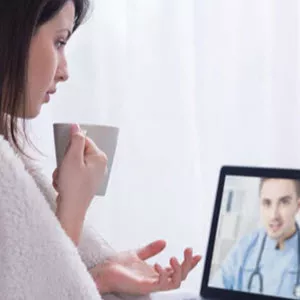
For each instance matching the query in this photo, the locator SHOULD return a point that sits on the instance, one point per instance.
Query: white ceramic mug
(105, 137)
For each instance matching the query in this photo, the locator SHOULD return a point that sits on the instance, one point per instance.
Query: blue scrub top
(278, 267)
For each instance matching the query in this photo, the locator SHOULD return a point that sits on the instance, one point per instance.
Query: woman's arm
(39, 259)
(70, 220)
(92, 248)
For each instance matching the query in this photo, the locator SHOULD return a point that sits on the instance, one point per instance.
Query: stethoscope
(257, 272)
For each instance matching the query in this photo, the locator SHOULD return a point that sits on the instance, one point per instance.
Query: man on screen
(266, 261)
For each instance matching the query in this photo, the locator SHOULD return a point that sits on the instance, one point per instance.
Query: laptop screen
(256, 246)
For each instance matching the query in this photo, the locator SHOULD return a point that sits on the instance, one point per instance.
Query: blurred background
(239, 215)
(192, 85)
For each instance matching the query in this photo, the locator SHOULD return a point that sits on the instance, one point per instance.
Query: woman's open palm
(127, 272)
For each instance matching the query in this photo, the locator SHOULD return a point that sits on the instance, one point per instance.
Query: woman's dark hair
(19, 21)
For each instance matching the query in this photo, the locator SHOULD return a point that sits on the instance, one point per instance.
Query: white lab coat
(278, 267)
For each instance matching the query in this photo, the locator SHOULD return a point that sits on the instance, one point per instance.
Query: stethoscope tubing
(257, 272)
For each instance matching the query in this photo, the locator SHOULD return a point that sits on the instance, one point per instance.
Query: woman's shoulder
(15, 181)
(10, 161)
(23, 174)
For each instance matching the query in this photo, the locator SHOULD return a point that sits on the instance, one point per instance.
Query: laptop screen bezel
(211, 292)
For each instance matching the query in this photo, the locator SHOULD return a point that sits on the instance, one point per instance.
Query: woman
(47, 249)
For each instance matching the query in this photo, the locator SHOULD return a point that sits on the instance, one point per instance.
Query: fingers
(151, 249)
(55, 185)
(196, 260)
(176, 276)
(169, 270)
(55, 179)
(163, 281)
(189, 262)
(186, 266)
(81, 146)
(77, 143)
(91, 147)
(95, 155)
(54, 174)
(171, 277)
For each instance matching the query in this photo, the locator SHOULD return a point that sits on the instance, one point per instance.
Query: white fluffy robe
(38, 260)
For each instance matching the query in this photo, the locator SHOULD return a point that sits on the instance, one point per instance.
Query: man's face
(279, 205)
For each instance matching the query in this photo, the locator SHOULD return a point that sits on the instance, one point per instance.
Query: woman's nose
(62, 74)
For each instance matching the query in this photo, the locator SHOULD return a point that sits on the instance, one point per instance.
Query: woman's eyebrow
(65, 29)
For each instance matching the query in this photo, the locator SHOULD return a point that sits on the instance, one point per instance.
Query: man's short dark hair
(295, 181)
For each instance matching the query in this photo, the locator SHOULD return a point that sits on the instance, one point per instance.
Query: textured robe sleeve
(92, 248)
(38, 260)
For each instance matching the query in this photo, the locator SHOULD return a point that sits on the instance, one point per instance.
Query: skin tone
(47, 64)
(128, 271)
(279, 205)
(84, 164)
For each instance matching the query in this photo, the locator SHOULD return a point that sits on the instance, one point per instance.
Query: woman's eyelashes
(60, 43)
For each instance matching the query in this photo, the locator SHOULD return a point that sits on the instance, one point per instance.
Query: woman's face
(47, 62)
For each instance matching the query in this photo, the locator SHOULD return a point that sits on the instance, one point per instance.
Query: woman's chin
(33, 113)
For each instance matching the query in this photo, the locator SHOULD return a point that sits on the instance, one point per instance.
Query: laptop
(247, 256)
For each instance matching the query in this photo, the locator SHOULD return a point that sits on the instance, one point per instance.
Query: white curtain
(193, 85)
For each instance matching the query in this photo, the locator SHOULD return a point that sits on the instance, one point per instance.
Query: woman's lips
(47, 97)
